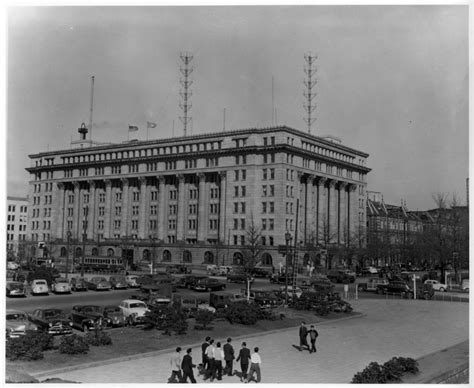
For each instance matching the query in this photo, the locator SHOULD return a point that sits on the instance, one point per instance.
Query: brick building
(17, 219)
(192, 199)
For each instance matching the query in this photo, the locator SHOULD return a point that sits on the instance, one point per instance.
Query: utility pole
(84, 236)
(287, 240)
(67, 253)
(185, 93)
(309, 93)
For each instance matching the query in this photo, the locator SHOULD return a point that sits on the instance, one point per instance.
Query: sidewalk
(388, 328)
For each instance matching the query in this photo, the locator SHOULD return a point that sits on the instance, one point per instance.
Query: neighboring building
(17, 220)
(191, 199)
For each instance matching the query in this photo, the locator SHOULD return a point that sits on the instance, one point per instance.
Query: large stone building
(17, 218)
(194, 199)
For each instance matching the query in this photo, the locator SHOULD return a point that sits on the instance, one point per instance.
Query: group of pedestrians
(217, 361)
(313, 335)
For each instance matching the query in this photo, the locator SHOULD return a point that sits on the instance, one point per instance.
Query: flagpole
(147, 130)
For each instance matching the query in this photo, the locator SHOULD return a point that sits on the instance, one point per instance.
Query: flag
(132, 128)
(150, 125)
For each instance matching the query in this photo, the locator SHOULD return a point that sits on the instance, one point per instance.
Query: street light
(67, 252)
(287, 240)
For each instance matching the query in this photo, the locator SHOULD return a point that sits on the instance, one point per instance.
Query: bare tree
(254, 248)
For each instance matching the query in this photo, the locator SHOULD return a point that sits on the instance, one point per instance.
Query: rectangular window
(264, 175)
(242, 240)
(271, 224)
(272, 190)
(272, 207)
(264, 207)
(243, 191)
(264, 224)
(236, 177)
(264, 190)
(242, 224)
(272, 173)
(244, 174)
(236, 191)
(236, 207)
(242, 204)
(236, 223)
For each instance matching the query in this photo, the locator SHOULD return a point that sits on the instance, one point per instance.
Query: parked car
(280, 278)
(61, 286)
(99, 284)
(423, 291)
(341, 276)
(263, 298)
(52, 321)
(78, 284)
(113, 316)
(321, 283)
(133, 310)
(12, 265)
(221, 270)
(437, 286)
(15, 289)
(369, 271)
(118, 282)
(239, 277)
(17, 323)
(222, 299)
(86, 317)
(465, 285)
(207, 284)
(178, 269)
(192, 305)
(259, 272)
(39, 286)
(132, 281)
(371, 284)
(188, 281)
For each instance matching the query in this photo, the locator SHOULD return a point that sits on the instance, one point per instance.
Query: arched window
(63, 252)
(208, 258)
(237, 259)
(95, 251)
(110, 252)
(146, 255)
(187, 257)
(78, 252)
(166, 256)
(267, 259)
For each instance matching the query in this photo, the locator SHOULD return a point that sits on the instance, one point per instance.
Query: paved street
(409, 328)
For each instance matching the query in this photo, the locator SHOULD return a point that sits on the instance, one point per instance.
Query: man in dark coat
(244, 357)
(187, 367)
(229, 357)
(204, 357)
(313, 334)
(303, 334)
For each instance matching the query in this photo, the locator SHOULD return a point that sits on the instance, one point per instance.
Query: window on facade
(242, 204)
(236, 207)
(236, 175)
(244, 174)
(264, 224)
(264, 175)
(264, 207)
(243, 191)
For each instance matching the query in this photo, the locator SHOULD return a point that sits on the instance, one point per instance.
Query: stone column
(161, 207)
(343, 233)
(76, 228)
(91, 217)
(322, 212)
(181, 205)
(332, 206)
(60, 211)
(124, 227)
(222, 202)
(142, 218)
(107, 208)
(202, 219)
(308, 209)
(353, 209)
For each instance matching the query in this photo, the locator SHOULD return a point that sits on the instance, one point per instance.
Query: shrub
(73, 344)
(98, 337)
(244, 313)
(166, 318)
(204, 319)
(28, 347)
(390, 372)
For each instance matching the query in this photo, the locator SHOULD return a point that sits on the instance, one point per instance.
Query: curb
(163, 351)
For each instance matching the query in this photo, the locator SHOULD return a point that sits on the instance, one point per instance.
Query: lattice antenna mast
(309, 93)
(185, 93)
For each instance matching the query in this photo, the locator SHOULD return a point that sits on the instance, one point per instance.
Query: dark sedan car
(78, 284)
(239, 277)
(52, 321)
(207, 284)
(15, 289)
(188, 281)
(99, 284)
(87, 317)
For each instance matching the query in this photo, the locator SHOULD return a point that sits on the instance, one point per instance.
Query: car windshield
(119, 279)
(16, 317)
(137, 305)
(60, 280)
(98, 280)
(90, 309)
(112, 309)
(40, 282)
(52, 313)
(16, 285)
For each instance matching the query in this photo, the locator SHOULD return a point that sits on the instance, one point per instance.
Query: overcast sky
(392, 81)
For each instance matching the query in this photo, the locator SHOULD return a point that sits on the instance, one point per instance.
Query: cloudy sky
(392, 81)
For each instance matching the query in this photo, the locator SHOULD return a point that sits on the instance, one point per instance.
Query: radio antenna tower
(185, 93)
(309, 93)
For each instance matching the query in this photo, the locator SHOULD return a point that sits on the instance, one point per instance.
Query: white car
(465, 285)
(134, 310)
(11, 265)
(437, 286)
(132, 281)
(61, 285)
(39, 286)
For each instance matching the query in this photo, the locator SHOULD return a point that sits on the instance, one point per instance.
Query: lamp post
(67, 252)
(84, 236)
(287, 240)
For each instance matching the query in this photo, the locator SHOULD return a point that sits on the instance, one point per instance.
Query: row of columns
(92, 216)
(330, 210)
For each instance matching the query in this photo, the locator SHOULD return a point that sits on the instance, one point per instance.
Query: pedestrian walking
(255, 362)
(175, 362)
(244, 358)
(210, 361)
(187, 367)
(313, 334)
(218, 358)
(229, 357)
(303, 332)
(204, 363)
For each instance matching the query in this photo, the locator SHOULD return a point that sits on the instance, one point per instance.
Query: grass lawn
(130, 341)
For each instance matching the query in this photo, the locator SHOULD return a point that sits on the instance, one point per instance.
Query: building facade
(193, 199)
(17, 221)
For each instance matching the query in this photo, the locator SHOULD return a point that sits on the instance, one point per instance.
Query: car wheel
(442, 289)
(208, 289)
